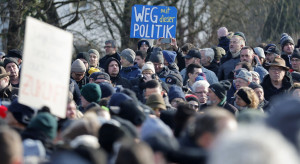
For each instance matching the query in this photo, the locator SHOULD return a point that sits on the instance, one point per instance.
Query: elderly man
(78, 70)
(277, 81)
(207, 59)
(194, 56)
(247, 55)
(287, 47)
(129, 70)
(216, 96)
(228, 62)
(200, 89)
(11, 66)
(110, 51)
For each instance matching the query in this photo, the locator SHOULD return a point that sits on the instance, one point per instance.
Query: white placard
(46, 67)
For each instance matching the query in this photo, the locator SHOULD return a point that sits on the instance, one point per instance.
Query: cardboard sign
(46, 67)
(153, 22)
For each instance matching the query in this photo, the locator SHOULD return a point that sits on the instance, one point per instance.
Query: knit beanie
(175, 92)
(286, 39)
(133, 112)
(201, 76)
(148, 65)
(78, 66)
(156, 101)
(10, 60)
(253, 85)
(191, 97)
(128, 54)
(241, 35)
(21, 113)
(83, 55)
(117, 98)
(93, 51)
(259, 52)
(296, 54)
(170, 56)
(141, 42)
(44, 122)
(244, 96)
(91, 92)
(221, 88)
(106, 89)
(157, 57)
(245, 75)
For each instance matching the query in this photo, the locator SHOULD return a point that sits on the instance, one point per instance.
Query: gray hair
(209, 52)
(252, 145)
(112, 42)
(199, 84)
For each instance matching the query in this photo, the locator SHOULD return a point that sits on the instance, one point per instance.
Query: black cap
(273, 50)
(193, 53)
(14, 54)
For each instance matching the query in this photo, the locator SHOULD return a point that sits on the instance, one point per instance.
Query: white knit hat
(148, 65)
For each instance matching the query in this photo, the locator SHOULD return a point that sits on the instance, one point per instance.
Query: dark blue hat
(175, 92)
(107, 89)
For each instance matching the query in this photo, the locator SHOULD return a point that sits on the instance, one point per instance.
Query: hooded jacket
(118, 80)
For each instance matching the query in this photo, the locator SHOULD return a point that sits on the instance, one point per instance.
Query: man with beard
(216, 96)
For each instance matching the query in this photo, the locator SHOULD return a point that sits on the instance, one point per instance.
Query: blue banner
(153, 22)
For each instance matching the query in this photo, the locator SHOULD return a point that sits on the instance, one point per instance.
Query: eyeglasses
(275, 69)
(194, 106)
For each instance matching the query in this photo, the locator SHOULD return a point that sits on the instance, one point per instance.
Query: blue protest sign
(153, 22)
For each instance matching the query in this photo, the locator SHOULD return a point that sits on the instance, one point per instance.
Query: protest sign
(46, 67)
(153, 22)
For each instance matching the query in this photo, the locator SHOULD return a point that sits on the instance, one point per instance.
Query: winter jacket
(270, 90)
(74, 89)
(131, 72)
(118, 80)
(227, 67)
(286, 58)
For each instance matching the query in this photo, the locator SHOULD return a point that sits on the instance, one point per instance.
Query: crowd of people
(163, 103)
